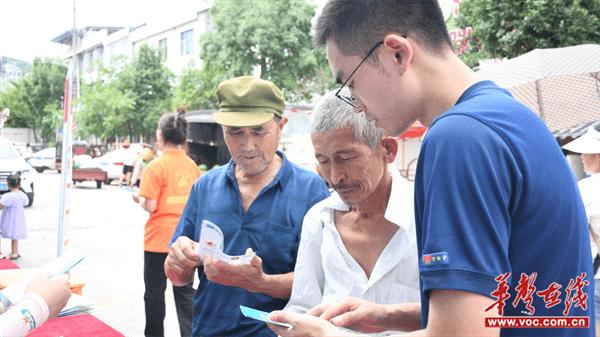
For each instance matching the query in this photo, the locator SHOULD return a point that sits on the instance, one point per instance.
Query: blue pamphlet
(261, 316)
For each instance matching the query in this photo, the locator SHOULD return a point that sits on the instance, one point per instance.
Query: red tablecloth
(84, 325)
(8, 264)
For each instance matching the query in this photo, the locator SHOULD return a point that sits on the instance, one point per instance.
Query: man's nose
(248, 143)
(336, 175)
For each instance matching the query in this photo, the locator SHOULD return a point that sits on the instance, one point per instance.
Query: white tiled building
(177, 38)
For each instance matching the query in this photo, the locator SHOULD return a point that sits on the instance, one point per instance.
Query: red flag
(67, 96)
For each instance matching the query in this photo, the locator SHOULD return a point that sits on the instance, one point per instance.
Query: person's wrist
(260, 284)
(385, 314)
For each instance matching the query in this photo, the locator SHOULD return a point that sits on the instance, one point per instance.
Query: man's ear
(282, 122)
(400, 48)
(390, 147)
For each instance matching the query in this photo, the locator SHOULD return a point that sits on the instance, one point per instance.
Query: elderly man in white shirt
(360, 241)
(588, 146)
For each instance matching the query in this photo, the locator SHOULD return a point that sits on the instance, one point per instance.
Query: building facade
(177, 39)
(11, 70)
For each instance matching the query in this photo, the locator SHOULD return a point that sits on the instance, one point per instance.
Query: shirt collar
(172, 151)
(281, 177)
(400, 204)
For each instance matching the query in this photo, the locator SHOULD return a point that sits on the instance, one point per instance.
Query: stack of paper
(77, 305)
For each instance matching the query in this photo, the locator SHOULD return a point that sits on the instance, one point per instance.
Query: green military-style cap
(248, 101)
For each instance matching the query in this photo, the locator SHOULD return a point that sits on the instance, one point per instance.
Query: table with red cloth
(84, 325)
(75, 326)
(8, 264)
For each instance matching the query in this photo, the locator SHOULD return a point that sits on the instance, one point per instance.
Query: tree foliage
(35, 101)
(191, 90)
(506, 28)
(274, 35)
(103, 107)
(127, 102)
(147, 81)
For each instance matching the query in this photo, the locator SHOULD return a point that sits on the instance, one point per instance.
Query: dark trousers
(154, 298)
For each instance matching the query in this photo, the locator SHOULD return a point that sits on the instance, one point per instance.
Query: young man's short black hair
(357, 25)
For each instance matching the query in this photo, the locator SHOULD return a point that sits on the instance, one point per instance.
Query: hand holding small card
(261, 316)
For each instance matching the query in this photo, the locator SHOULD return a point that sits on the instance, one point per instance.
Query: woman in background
(165, 187)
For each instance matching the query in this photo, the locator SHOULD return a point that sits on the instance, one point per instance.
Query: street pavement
(107, 227)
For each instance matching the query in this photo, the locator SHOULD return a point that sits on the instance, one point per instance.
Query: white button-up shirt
(589, 187)
(325, 272)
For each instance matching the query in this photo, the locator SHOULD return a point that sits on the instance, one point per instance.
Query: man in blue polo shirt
(258, 200)
(501, 228)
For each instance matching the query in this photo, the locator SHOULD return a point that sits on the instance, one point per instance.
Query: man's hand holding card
(244, 271)
(248, 275)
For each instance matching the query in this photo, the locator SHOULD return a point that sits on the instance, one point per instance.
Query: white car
(112, 162)
(11, 162)
(43, 160)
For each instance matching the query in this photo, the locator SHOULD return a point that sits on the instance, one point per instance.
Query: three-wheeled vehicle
(81, 173)
(205, 139)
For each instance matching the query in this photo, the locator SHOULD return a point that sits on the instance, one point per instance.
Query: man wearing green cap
(258, 200)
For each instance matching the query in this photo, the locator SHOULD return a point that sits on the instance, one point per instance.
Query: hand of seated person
(303, 325)
(354, 313)
(55, 292)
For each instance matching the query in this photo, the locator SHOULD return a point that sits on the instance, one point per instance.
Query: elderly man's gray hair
(331, 113)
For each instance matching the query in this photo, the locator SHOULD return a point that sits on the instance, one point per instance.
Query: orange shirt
(168, 180)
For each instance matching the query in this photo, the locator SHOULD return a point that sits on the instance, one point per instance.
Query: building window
(162, 48)
(97, 56)
(187, 42)
(87, 60)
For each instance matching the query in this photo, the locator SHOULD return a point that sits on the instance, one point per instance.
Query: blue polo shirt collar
(280, 179)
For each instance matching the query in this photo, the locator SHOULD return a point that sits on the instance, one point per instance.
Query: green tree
(36, 100)
(12, 98)
(147, 82)
(191, 90)
(103, 106)
(274, 35)
(506, 28)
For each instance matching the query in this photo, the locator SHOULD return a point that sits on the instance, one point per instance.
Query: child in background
(12, 222)
(145, 158)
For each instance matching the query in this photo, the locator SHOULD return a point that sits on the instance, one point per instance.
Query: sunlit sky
(28, 26)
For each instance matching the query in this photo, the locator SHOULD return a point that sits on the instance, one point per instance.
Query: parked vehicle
(12, 162)
(43, 160)
(205, 139)
(79, 148)
(112, 162)
(84, 168)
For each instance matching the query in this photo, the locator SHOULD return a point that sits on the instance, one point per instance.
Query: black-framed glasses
(349, 98)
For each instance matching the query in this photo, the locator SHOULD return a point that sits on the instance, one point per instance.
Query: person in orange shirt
(165, 186)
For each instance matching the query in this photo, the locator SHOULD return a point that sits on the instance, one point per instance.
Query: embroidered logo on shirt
(435, 258)
(28, 319)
